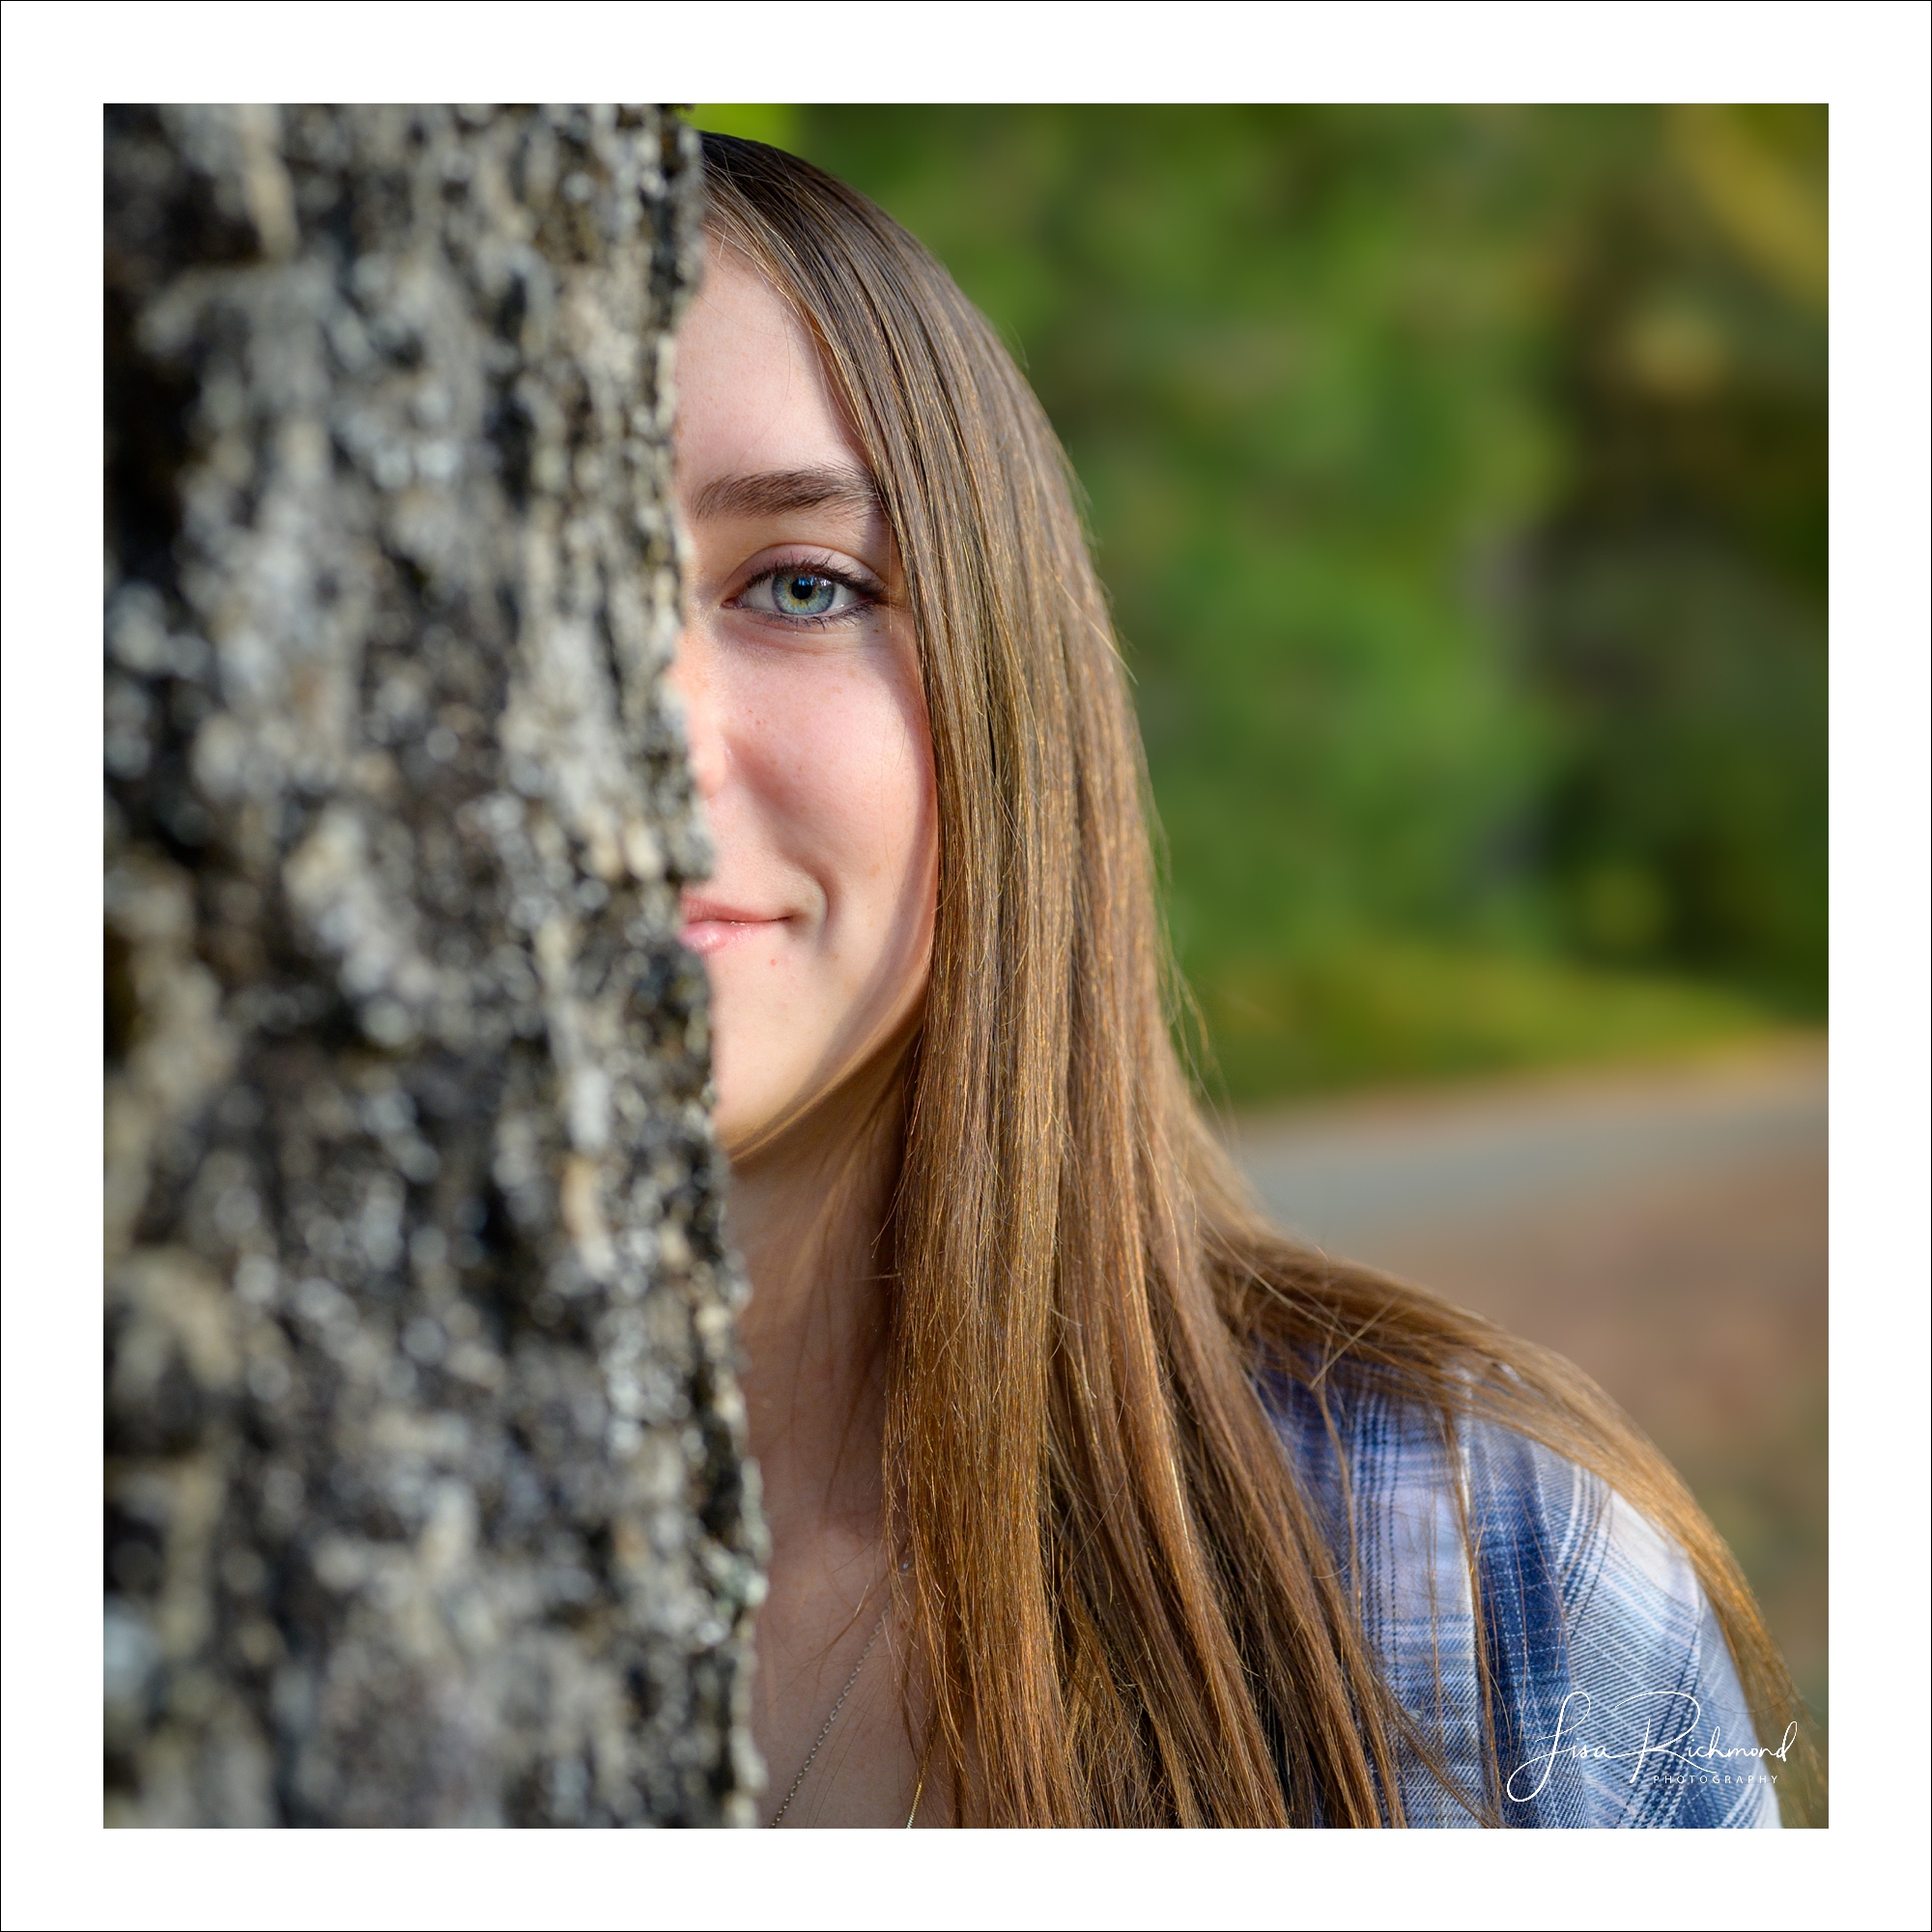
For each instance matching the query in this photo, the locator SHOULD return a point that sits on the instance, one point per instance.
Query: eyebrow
(770, 492)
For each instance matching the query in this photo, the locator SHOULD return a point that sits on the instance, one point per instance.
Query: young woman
(1094, 1499)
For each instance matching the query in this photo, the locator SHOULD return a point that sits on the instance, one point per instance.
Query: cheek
(841, 757)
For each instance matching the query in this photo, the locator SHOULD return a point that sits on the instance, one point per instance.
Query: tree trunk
(425, 1500)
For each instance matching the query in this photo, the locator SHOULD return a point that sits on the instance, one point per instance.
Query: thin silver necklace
(825, 1729)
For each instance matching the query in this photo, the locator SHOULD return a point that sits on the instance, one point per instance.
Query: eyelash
(866, 592)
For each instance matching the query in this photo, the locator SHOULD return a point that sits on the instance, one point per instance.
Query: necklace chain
(839, 1704)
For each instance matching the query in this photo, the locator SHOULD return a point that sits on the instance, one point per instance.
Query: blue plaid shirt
(1615, 1703)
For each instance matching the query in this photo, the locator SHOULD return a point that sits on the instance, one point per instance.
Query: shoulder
(1511, 1595)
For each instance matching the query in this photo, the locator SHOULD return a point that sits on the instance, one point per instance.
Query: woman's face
(807, 728)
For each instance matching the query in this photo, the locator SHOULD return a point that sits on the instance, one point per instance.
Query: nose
(703, 726)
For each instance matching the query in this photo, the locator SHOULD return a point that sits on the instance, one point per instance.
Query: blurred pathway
(1665, 1228)
(1352, 1173)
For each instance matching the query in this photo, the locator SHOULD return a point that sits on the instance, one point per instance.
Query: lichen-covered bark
(425, 1502)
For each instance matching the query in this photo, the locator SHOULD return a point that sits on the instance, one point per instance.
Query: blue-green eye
(803, 593)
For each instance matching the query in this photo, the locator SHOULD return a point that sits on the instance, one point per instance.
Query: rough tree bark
(425, 1501)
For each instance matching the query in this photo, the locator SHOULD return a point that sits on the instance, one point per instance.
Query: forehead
(753, 394)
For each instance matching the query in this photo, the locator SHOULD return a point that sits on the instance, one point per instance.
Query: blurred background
(1459, 476)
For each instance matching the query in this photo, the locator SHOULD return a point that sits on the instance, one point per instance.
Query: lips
(709, 926)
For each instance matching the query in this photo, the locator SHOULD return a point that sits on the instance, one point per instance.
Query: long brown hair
(1125, 1608)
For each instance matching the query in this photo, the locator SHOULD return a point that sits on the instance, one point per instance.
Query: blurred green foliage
(1459, 478)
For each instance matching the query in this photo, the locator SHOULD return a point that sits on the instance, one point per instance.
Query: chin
(741, 1121)
(730, 1121)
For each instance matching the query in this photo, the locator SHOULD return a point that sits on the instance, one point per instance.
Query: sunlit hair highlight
(1123, 1608)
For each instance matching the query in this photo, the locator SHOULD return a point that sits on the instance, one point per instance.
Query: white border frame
(1870, 61)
